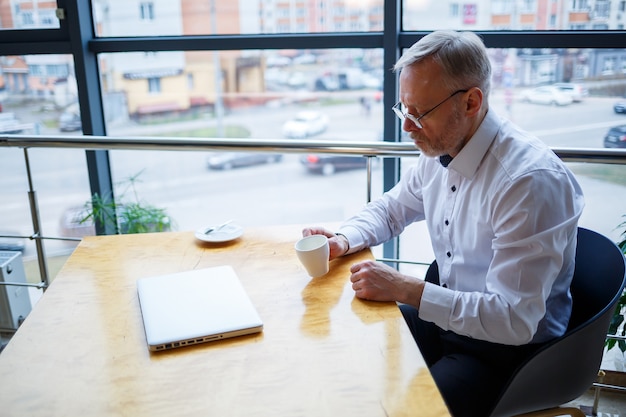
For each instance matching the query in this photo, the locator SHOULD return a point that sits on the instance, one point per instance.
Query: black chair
(565, 368)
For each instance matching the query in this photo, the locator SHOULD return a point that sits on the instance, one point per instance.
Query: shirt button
(453, 188)
(445, 285)
(447, 222)
(448, 254)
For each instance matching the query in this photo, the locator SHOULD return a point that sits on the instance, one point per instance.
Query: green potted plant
(134, 216)
(618, 326)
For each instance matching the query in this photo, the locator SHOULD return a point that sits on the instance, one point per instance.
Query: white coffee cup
(313, 252)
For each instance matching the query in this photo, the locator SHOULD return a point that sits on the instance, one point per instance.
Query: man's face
(443, 130)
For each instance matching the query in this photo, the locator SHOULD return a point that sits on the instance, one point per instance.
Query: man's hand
(338, 244)
(378, 282)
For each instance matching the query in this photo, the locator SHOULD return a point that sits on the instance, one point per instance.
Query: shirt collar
(468, 160)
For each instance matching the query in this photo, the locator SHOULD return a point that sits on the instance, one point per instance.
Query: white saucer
(229, 232)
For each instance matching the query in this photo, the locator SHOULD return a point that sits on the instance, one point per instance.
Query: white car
(577, 91)
(305, 124)
(547, 95)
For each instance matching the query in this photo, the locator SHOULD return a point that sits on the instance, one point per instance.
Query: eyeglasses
(402, 112)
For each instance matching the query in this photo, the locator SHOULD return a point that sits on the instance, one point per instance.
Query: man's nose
(408, 125)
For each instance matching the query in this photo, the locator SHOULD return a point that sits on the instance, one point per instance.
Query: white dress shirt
(503, 221)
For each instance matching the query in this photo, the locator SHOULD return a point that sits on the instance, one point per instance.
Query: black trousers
(469, 373)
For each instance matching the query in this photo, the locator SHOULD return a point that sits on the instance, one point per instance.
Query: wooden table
(82, 350)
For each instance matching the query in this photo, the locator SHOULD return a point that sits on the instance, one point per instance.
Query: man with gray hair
(502, 212)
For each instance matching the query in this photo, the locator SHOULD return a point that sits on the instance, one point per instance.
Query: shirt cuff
(436, 305)
(355, 239)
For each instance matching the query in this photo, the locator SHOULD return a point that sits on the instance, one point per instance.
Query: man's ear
(474, 101)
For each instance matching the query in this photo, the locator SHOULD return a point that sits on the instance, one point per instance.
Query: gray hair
(462, 57)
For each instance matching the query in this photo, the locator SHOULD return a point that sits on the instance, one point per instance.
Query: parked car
(11, 125)
(620, 107)
(305, 124)
(229, 160)
(326, 82)
(547, 95)
(371, 81)
(615, 137)
(304, 59)
(578, 92)
(69, 120)
(278, 61)
(298, 80)
(328, 164)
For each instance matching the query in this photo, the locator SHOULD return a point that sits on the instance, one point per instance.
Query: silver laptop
(196, 306)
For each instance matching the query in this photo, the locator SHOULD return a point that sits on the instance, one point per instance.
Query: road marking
(571, 129)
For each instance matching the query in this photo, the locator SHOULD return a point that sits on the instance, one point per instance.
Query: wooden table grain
(82, 350)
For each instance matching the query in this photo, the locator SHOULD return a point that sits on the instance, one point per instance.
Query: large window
(287, 69)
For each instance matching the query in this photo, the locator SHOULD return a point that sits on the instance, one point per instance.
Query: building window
(146, 11)
(190, 83)
(48, 19)
(27, 19)
(528, 6)
(552, 20)
(579, 5)
(454, 9)
(36, 70)
(57, 70)
(154, 85)
(602, 9)
(608, 66)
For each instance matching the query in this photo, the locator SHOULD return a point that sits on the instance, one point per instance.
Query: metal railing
(367, 149)
(380, 149)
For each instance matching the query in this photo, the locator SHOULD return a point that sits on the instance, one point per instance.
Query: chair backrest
(566, 367)
(597, 260)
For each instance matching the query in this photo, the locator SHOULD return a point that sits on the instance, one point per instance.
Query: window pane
(196, 17)
(513, 15)
(28, 14)
(566, 97)
(330, 95)
(37, 95)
